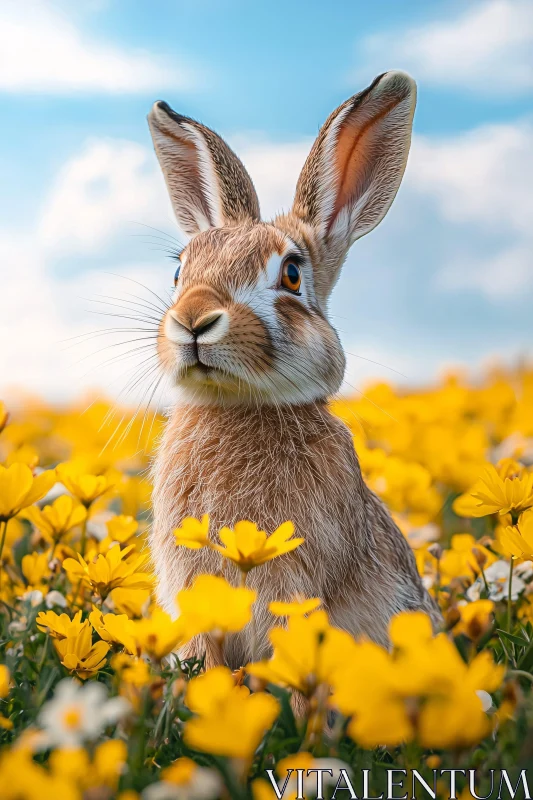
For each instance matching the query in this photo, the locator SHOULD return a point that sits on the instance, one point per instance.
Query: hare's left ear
(355, 168)
(208, 185)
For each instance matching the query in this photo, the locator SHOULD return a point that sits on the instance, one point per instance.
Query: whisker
(122, 308)
(376, 362)
(127, 278)
(102, 332)
(158, 230)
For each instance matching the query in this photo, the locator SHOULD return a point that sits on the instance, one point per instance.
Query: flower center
(72, 717)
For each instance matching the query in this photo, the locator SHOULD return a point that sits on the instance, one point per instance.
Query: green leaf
(514, 639)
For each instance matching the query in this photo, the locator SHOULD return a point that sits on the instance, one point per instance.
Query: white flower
(524, 569)
(35, 596)
(486, 699)
(423, 534)
(497, 577)
(55, 598)
(18, 625)
(78, 713)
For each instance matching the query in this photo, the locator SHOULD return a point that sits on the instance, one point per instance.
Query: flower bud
(435, 550)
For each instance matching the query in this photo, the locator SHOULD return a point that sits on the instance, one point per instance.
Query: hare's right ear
(208, 185)
(355, 168)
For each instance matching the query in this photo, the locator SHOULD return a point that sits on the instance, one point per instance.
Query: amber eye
(291, 277)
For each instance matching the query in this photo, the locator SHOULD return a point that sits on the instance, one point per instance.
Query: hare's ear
(208, 185)
(355, 168)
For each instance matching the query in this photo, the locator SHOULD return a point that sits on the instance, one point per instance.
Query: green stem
(484, 580)
(521, 673)
(509, 596)
(83, 540)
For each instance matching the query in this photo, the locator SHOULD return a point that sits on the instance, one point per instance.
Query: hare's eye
(291, 276)
(177, 273)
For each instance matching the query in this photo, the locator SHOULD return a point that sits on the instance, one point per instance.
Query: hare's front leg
(203, 646)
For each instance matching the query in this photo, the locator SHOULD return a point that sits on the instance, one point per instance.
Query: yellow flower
(248, 547)
(35, 568)
(423, 690)
(109, 759)
(193, 533)
(73, 763)
(60, 626)
(133, 602)
(305, 654)
(114, 628)
(475, 618)
(4, 681)
(56, 519)
(130, 670)
(518, 540)
(121, 528)
(460, 560)
(298, 607)
(23, 778)
(109, 571)
(494, 494)
(19, 488)
(86, 487)
(4, 691)
(26, 454)
(188, 780)
(79, 655)
(410, 629)
(180, 772)
(230, 721)
(214, 605)
(159, 635)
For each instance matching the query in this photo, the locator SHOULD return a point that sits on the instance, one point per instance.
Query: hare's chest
(266, 488)
(264, 468)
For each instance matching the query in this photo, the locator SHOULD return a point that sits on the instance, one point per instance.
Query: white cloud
(481, 180)
(42, 50)
(486, 48)
(503, 276)
(483, 176)
(274, 169)
(109, 185)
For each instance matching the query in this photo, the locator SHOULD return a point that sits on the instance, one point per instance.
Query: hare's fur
(251, 435)
(269, 465)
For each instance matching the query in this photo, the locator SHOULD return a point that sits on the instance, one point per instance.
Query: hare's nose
(206, 323)
(208, 328)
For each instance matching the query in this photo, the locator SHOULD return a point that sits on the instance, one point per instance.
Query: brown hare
(248, 343)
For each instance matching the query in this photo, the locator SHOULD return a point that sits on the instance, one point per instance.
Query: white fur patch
(175, 331)
(217, 331)
(209, 180)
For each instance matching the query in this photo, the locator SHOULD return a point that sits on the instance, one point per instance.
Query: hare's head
(248, 321)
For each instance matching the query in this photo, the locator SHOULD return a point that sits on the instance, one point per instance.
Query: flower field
(94, 702)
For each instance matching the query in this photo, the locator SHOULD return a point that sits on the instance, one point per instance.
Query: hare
(248, 343)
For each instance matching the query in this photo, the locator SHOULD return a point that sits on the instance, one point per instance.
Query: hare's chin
(200, 374)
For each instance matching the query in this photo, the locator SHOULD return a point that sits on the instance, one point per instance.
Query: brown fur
(270, 465)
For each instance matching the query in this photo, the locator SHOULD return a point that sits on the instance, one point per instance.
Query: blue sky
(448, 276)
